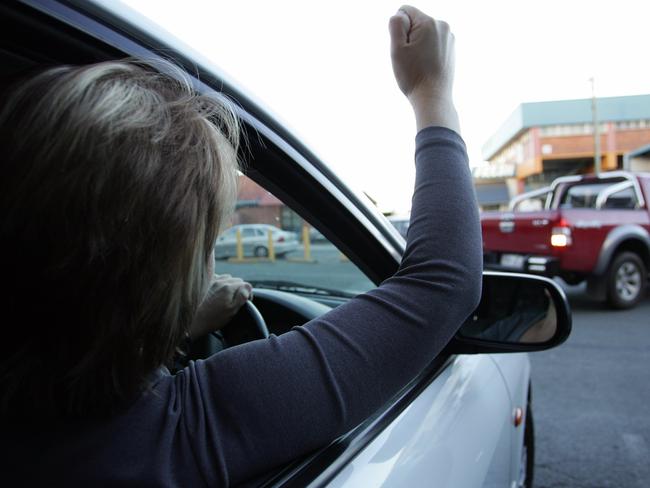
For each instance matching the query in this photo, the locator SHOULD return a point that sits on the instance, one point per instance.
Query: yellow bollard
(306, 242)
(271, 248)
(240, 246)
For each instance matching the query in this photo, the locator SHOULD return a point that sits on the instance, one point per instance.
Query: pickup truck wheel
(626, 281)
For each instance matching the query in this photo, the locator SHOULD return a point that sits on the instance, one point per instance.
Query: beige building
(544, 140)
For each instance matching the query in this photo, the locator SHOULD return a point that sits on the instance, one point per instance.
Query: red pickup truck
(587, 227)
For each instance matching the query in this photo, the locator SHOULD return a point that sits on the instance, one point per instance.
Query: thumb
(399, 26)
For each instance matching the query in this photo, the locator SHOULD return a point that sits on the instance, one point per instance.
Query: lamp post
(594, 115)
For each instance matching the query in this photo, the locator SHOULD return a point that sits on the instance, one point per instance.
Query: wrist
(208, 319)
(198, 328)
(431, 109)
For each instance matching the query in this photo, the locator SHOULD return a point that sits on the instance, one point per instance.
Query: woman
(116, 182)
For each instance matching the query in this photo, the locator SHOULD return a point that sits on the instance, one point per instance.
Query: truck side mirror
(517, 313)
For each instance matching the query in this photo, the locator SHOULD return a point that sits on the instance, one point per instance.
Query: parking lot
(591, 398)
(591, 395)
(328, 268)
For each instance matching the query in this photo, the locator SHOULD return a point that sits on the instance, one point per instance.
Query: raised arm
(264, 403)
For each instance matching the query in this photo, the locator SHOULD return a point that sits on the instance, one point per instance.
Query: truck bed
(510, 238)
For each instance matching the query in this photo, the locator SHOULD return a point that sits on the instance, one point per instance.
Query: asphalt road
(591, 400)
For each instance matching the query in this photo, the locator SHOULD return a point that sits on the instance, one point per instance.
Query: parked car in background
(316, 236)
(581, 228)
(465, 421)
(255, 241)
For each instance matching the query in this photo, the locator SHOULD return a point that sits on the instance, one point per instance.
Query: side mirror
(517, 313)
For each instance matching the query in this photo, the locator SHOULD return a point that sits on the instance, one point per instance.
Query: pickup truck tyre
(626, 280)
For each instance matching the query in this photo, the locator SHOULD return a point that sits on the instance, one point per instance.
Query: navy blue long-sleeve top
(256, 406)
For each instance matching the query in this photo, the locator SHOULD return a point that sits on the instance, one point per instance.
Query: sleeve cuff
(437, 131)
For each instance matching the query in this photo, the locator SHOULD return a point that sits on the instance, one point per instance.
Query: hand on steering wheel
(247, 325)
(226, 296)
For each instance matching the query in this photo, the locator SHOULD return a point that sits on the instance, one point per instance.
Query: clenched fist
(422, 53)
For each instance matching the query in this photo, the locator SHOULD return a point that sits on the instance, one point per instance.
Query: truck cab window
(624, 199)
(583, 196)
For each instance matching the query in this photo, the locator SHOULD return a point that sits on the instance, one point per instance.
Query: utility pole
(594, 114)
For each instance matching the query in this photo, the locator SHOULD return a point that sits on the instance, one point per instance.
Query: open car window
(279, 249)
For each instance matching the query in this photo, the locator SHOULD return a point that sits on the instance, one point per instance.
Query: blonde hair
(116, 179)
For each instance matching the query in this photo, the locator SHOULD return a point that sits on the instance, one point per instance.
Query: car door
(251, 238)
(450, 427)
(226, 245)
(455, 433)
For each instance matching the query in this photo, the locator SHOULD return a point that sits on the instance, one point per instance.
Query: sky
(323, 68)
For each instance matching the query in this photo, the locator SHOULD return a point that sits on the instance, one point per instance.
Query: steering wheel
(247, 325)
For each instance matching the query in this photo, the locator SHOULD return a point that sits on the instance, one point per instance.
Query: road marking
(638, 452)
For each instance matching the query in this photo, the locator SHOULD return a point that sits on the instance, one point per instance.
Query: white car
(255, 241)
(465, 421)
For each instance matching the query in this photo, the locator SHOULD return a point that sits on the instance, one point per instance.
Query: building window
(570, 130)
(633, 124)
